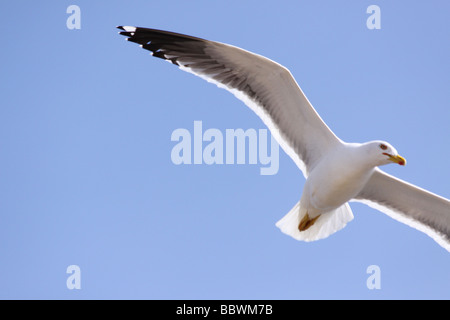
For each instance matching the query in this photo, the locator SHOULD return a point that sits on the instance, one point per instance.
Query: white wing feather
(416, 207)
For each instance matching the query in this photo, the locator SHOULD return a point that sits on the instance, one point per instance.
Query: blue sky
(86, 176)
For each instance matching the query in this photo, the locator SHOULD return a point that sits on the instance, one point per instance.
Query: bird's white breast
(339, 177)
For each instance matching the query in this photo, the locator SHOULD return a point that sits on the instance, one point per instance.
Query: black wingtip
(125, 33)
(121, 28)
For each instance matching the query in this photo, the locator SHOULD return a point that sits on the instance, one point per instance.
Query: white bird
(336, 172)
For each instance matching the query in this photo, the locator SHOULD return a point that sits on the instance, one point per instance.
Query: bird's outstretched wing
(409, 204)
(262, 84)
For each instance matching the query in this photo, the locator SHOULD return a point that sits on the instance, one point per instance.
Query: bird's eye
(383, 146)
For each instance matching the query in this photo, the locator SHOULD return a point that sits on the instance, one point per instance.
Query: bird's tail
(327, 223)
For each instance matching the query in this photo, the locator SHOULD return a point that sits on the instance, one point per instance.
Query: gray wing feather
(265, 86)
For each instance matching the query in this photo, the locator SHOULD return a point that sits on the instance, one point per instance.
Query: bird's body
(336, 172)
(328, 186)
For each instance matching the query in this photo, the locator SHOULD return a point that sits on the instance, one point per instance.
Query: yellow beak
(397, 159)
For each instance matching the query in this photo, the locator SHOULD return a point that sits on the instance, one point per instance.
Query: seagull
(336, 172)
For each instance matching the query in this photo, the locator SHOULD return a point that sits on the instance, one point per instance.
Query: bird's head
(383, 153)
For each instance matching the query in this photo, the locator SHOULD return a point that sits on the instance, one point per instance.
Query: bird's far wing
(262, 84)
(409, 204)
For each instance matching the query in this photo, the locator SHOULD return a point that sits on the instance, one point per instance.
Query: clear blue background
(86, 176)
